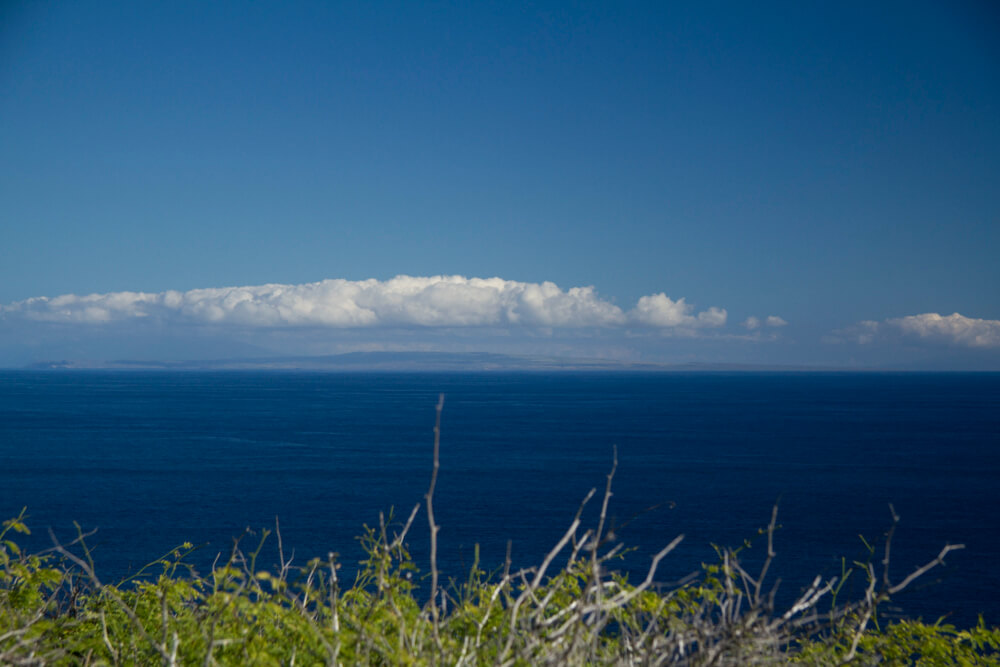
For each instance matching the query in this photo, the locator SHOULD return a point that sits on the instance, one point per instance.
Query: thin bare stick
(285, 565)
(334, 593)
(770, 554)
(599, 535)
(398, 540)
(920, 571)
(888, 546)
(869, 609)
(435, 615)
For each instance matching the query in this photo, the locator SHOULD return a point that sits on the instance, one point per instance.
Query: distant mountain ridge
(410, 361)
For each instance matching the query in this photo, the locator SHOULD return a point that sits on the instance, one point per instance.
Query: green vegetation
(572, 608)
(54, 610)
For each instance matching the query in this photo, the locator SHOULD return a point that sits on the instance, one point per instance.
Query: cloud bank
(954, 329)
(404, 301)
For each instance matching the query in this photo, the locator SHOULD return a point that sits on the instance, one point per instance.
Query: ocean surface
(153, 459)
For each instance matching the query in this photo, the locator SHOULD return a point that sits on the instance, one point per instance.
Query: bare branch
(435, 613)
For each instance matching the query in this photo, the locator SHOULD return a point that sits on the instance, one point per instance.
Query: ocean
(154, 459)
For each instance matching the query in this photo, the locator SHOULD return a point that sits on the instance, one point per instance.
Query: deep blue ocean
(153, 459)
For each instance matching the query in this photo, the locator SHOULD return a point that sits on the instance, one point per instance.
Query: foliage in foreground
(54, 610)
(570, 609)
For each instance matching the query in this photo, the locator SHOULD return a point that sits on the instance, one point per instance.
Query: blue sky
(835, 166)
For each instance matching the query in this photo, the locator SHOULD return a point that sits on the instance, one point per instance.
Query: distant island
(410, 361)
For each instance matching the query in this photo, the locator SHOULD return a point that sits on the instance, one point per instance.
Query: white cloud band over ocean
(403, 301)
(460, 314)
(954, 329)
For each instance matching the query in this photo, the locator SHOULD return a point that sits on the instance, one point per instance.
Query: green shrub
(54, 610)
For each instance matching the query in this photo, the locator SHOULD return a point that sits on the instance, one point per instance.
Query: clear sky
(833, 166)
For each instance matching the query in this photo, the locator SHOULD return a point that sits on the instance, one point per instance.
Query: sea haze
(155, 458)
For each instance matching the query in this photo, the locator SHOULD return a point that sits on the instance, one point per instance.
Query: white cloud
(752, 323)
(404, 301)
(775, 321)
(954, 329)
(659, 310)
